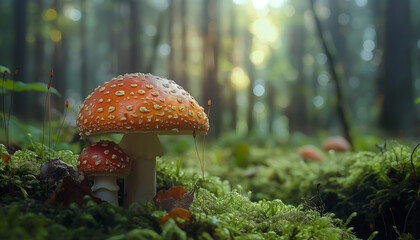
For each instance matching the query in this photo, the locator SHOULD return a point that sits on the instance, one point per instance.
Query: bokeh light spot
(239, 78)
(165, 49)
(323, 79)
(318, 101)
(50, 14)
(343, 19)
(369, 45)
(257, 57)
(361, 3)
(55, 35)
(259, 90)
(366, 55)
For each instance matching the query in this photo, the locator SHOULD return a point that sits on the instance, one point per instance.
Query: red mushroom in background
(105, 161)
(141, 106)
(309, 152)
(336, 143)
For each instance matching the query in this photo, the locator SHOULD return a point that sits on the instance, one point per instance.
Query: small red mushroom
(105, 161)
(336, 143)
(309, 152)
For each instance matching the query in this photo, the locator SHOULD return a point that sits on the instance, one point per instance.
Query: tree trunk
(210, 63)
(184, 46)
(20, 100)
(85, 88)
(59, 56)
(297, 111)
(250, 68)
(171, 36)
(233, 107)
(40, 71)
(156, 40)
(397, 87)
(339, 92)
(135, 49)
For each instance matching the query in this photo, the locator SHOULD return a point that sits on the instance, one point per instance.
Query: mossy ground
(218, 212)
(260, 193)
(348, 182)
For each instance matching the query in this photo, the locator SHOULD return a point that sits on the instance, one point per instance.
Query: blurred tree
(156, 41)
(84, 83)
(135, 30)
(297, 111)
(173, 8)
(20, 28)
(231, 99)
(250, 68)
(341, 106)
(58, 36)
(210, 86)
(397, 84)
(184, 46)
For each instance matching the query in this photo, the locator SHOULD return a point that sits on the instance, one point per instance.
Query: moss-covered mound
(217, 212)
(378, 185)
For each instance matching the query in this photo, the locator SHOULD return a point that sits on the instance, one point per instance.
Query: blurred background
(275, 70)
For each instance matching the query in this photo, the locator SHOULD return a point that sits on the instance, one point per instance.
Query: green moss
(218, 212)
(348, 182)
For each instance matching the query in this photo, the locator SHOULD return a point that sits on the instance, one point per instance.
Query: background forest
(262, 63)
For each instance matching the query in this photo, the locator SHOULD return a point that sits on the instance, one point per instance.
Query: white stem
(140, 184)
(106, 188)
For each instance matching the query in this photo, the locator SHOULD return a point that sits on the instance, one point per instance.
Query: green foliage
(3, 68)
(17, 86)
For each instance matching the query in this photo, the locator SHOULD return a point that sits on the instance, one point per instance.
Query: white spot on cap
(141, 92)
(149, 86)
(114, 156)
(101, 89)
(111, 109)
(119, 92)
(157, 106)
(144, 109)
(100, 110)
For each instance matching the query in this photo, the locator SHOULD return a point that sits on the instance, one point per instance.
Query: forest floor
(251, 191)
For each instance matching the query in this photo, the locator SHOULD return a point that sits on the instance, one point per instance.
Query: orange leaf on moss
(175, 192)
(174, 214)
(5, 158)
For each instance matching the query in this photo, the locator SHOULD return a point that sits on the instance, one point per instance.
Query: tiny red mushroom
(141, 106)
(309, 152)
(105, 161)
(336, 143)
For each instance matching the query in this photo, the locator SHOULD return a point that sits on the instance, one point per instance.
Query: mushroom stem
(140, 184)
(106, 188)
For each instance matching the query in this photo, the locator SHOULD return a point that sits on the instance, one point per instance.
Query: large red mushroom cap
(140, 102)
(104, 158)
(336, 143)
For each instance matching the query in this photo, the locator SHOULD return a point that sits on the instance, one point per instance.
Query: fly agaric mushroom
(105, 161)
(141, 106)
(336, 143)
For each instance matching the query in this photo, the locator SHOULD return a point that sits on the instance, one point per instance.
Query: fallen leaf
(175, 197)
(174, 214)
(71, 191)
